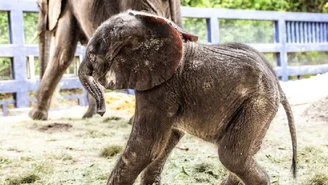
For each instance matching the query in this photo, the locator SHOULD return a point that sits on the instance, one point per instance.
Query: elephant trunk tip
(101, 112)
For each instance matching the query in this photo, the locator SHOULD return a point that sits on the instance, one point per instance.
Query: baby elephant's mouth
(107, 80)
(102, 81)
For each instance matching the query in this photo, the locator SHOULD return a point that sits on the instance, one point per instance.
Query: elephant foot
(131, 120)
(36, 114)
(89, 113)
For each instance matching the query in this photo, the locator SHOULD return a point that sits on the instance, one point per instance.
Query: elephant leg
(232, 179)
(151, 132)
(66, 38)
(152, 174)
(131, 120)
(242, 141)
(92, 107)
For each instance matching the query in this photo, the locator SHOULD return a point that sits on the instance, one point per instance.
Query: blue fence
(293, 32)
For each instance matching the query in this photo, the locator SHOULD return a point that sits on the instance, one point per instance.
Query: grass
(111, 151)
(24, 179)
(318, 179)
(87, 152)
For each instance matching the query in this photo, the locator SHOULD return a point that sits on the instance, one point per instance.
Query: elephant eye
(92, 57)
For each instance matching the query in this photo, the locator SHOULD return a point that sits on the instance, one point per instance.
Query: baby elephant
(225, 94)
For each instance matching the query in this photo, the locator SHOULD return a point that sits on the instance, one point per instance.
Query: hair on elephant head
(225, 94)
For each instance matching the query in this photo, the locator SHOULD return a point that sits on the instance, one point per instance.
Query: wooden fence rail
(293, 32)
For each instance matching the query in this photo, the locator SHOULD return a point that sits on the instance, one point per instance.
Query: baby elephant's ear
(182, 32)
(157, 55)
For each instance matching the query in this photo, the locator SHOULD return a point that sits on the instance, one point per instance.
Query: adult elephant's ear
(151, 55)
(54, 8)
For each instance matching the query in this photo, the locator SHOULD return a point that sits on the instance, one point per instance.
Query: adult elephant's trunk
(91, 85)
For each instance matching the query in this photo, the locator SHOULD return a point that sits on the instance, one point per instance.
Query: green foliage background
(248, 31)
(230, 30)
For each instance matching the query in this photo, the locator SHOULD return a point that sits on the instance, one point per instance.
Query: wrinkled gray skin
(224, 94)
(71, 21)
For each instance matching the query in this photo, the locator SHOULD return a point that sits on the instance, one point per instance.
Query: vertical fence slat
(321, 32)
(289, 32)
(31, 67)
(317, 32)
(292, 31)
(313, 32)
(19, 61)
(302, 32)
(297, 32)
(310, 34)
(212, 25)
(325, 33)
(306, 32)
(326, 30)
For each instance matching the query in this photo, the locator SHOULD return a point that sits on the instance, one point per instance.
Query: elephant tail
(292, 128)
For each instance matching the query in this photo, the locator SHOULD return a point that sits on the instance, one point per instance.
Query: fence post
(280, 37)
(16, 32)
(212, 25)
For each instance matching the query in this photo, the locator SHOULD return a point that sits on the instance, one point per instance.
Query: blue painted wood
(267, 48)
(278, 71)
(131, 92)
(298, 39)
(307, 47)
(292, 36)
(10, 86)
(9, 101)
(65, 83)
(20, 5)
(251, 14)
(320, 32)
(317, 32)
(306, 33)
(277, 40)
(17, 37)
(85, 98)
(5, 104)
(283, 53)
(213, 30)
(325, 33)
(302, 32)
(314, 34)
(309, 69)
(289, 32)
(311, 32)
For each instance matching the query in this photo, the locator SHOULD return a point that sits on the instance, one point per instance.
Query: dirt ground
(68, 150)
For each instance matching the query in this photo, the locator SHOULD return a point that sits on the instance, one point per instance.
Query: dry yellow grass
(120, 101)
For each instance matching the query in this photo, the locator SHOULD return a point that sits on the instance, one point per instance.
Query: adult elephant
(63, 23)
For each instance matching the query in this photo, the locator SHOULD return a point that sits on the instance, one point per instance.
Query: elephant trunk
(92, 86)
